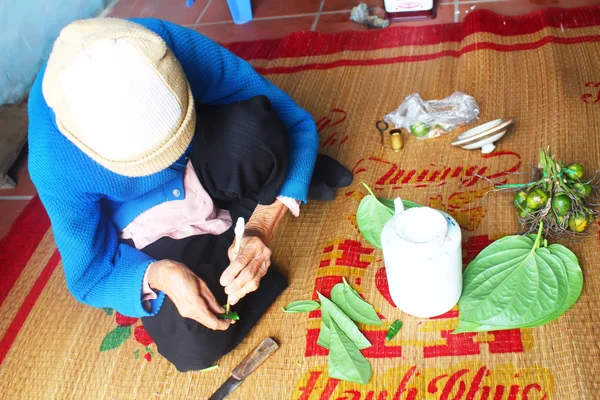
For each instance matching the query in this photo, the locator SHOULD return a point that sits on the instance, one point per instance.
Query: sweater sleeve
(217, 76)
(99, 271)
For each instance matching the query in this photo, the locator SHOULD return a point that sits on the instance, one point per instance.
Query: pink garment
(195, 214)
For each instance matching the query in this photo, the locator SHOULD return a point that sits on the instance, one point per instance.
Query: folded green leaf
(323, 339)
(350, 302)
(231, 315)
(301, 306)
(393, 330)
(331, 312)
(515, 283)
(345, 360)
(373, 213)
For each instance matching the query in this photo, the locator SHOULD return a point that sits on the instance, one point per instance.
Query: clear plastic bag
(433, 118)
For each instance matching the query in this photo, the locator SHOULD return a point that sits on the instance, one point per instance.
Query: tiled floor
(277, 18)
(272, 19)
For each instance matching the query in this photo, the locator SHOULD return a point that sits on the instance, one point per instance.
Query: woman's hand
(189, 293)
(246, 269)
(249, 266)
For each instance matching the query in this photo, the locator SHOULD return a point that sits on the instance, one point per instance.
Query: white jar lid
(421, 228)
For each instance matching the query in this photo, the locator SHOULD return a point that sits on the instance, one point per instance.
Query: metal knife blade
(246, 367)
(225, 390)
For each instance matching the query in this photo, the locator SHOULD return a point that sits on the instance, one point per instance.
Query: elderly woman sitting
(146, 141)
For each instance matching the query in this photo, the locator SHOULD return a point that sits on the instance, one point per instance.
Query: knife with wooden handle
(246, 367)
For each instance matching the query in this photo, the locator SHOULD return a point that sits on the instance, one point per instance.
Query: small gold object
(396, 140)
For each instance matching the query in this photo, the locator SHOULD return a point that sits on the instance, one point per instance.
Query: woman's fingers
(209, 320)
(209, 298)
(247, 282)
(245, 272)
(252, 270)
(231, 254)
(237, 265)
(197, 310)
(192, 297)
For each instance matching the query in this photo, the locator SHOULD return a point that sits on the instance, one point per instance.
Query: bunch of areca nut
(560, 197)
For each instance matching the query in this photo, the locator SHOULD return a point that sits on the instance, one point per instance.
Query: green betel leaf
(330, 312)
(301, 306)
(465, 326)
(512, 283)
(345, 360)
(573, 287)
(350, 302)
(574, 284)
(372, 215)
(323, 339)
(553, 266)
(532, 237)
(574, 273)
(115, 338)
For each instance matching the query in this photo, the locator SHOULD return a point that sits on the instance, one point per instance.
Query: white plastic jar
(422, 251)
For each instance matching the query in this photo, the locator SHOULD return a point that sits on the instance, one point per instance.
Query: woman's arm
(264, 221)
(99, 270)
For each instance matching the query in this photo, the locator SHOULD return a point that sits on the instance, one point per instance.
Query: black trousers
(240, 156)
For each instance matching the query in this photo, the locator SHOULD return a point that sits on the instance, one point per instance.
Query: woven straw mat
(542, 70)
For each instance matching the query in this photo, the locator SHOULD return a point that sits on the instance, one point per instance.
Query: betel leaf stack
(518, 282)
(339, 332)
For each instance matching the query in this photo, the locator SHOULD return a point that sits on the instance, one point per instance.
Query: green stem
(372, 194)
(543, 159)
(515, 185)
(539, 237)
(511, 186)
(369, 189)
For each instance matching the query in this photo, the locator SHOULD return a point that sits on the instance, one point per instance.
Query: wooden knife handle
(255, 359)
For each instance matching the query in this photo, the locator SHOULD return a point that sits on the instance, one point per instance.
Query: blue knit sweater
(89, 204)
